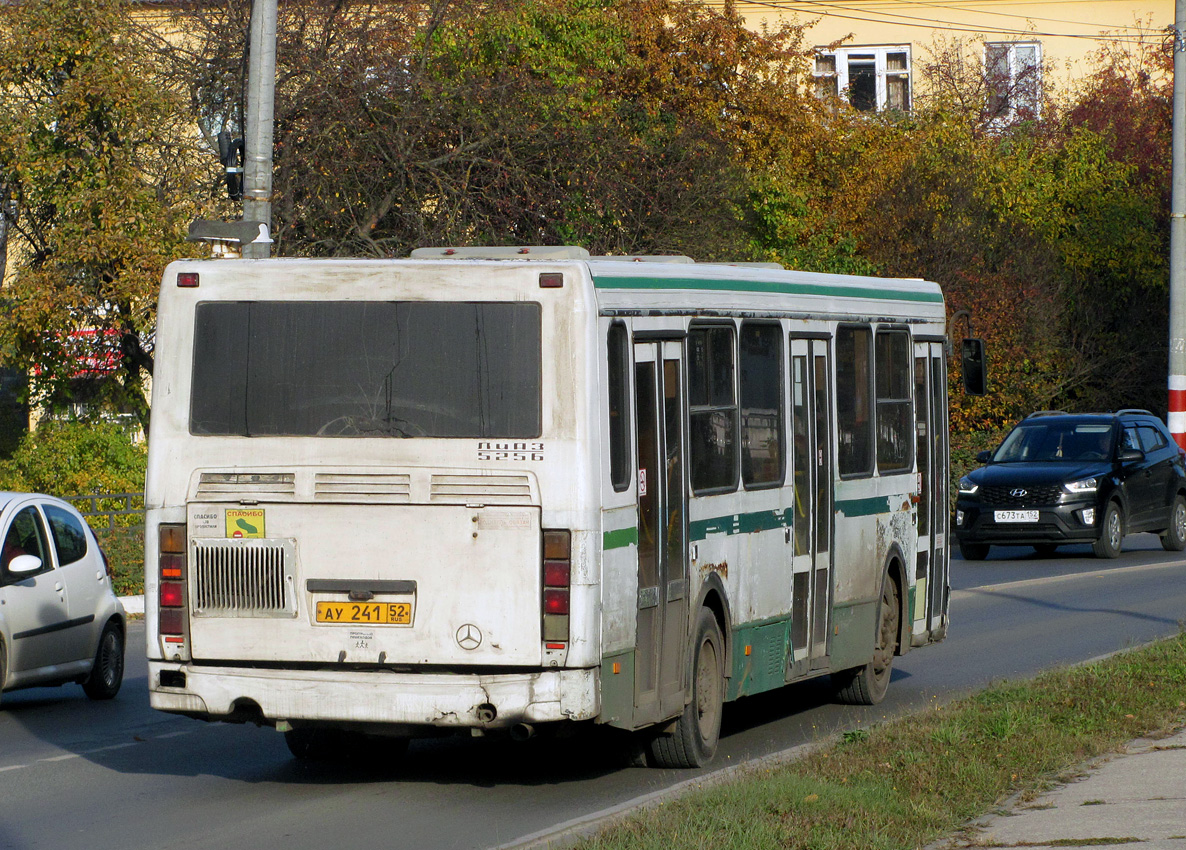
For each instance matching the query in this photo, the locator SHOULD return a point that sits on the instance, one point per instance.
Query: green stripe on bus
(618, 539)
(738, 524)
(748, 523)
(864, 507)
(783, 288)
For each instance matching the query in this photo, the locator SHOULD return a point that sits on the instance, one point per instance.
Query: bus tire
(692, 740)
(867, 684)
(3, 669)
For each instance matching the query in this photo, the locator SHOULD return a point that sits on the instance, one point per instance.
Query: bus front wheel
(692, 740)
(866, 685)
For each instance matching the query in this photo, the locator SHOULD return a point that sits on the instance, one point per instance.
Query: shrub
(76, 458)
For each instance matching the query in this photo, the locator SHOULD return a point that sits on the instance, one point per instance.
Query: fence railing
(111, 511)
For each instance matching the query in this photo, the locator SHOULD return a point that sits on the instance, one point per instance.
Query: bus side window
(618, 347)
(761, 405)
(895, 420)
(854, 400)
(712, 409)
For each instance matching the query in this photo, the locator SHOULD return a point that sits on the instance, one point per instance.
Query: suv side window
(69, 536)
(1151, 439)
(25, 536)
(1129, 439)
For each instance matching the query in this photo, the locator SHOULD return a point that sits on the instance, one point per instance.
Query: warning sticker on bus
(245, 522)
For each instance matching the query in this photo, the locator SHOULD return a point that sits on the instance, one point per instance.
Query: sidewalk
(1138, 798)
(133, 604)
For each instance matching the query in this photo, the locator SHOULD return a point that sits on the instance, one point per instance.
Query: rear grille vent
(1019, 497)
(379, 486)
(243, 578)
(481, 489)
(216, 486)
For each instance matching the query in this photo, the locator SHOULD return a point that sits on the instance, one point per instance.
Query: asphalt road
(117, 775)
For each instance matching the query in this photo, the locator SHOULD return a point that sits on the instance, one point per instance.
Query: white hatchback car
(60, 620)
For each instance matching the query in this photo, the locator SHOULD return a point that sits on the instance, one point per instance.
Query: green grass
(917, 778)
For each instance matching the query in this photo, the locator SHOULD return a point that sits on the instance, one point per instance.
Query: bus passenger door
(662, 532)
(932, 562)
(811, 525)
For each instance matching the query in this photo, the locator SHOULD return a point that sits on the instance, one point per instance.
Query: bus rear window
(366, 369)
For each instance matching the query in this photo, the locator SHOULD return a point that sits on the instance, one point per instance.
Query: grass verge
(914, 779)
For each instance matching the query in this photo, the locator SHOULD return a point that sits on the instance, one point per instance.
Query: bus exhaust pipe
(522, 731)
(487, 713)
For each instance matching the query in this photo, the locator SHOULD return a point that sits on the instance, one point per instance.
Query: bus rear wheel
(692, 740)
(866, 685)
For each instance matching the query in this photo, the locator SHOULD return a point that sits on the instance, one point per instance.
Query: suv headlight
(1083, 485)
(967, 487)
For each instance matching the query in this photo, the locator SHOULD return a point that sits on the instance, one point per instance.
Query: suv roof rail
(1134, 411)
(1047, 413)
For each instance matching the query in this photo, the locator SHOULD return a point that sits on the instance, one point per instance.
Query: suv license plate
(1015, 516)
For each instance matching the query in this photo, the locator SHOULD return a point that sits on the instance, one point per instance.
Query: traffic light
(230, 152)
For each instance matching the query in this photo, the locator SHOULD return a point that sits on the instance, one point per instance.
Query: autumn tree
(97, 156)
(625, 128)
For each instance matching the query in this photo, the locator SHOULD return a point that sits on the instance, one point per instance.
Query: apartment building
(872, 52)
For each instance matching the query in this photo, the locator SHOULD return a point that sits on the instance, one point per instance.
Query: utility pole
(1177, 374)
(261, 90)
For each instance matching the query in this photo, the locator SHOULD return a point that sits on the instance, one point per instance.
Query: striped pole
(1177, 364)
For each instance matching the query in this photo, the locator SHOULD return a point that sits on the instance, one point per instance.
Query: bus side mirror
(974, 365)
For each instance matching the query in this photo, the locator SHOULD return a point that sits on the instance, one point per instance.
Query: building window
(1013, 73)
(871, 79)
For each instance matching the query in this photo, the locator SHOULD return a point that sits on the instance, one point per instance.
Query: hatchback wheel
(107, 674)
(1173, 539)
(1111, 533)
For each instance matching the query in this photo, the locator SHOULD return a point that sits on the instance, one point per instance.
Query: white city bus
(510, 489)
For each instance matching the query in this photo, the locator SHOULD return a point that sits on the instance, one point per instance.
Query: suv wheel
(1111, 533)
(973, 551)
(1173, 539)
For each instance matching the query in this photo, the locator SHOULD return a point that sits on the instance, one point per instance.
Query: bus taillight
(557, 573)
(171, 563)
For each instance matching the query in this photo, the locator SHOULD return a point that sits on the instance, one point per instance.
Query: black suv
(1069, 478)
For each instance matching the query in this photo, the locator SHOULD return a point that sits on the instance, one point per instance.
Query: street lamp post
(257, 155)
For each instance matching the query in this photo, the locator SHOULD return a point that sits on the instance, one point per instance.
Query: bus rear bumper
(348, 697)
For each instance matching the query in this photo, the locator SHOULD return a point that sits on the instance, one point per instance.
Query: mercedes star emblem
(469, 636)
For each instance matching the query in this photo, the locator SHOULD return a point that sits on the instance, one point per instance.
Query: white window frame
(1010, 96)
(837, 80)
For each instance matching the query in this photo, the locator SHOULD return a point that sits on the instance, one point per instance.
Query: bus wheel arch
(713, 597)
(691, 740)
(867, 684)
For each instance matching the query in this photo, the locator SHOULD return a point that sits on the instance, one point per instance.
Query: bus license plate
(1015, 516)
(370, 613)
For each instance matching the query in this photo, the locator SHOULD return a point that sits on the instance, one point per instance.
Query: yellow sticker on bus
(245, 522)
